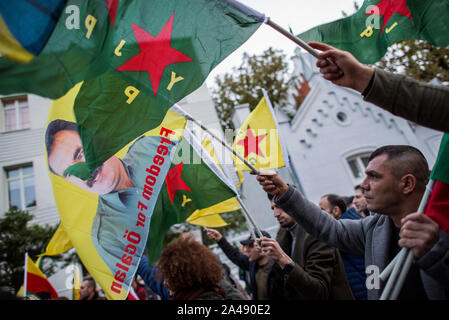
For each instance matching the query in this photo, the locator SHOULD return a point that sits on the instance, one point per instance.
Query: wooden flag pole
(238, 155)
(250, 12)
(249, 217)
(298, 41)
(242, 205)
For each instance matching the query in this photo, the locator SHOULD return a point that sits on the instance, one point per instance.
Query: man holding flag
(421, 103)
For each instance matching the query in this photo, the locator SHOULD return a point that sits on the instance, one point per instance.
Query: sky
(299, 15)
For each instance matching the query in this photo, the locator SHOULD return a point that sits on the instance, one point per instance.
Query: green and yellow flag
(136, 58)
(258, 139)
(194, 187)
(379, 23)
(210, 217)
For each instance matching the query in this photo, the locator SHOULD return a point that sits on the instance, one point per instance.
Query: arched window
(357, 164)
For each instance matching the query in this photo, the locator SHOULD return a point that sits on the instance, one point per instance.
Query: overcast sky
(299, 15)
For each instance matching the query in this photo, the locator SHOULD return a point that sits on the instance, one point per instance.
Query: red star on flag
(156, 53)
(387, 8)
(174, 181)
(251, 143)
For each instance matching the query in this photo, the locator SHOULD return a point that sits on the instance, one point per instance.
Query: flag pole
(409, 259)
(249, 216)
(25, 276)
(262, 18)
(238, 155)
(245, 210)
(298, 41)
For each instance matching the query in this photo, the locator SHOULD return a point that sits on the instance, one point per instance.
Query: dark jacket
(318, 273)
(422, 103)
(355, 264)
(369, 237)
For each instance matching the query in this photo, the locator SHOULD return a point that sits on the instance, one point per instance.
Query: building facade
(24, 181)
(331, 133)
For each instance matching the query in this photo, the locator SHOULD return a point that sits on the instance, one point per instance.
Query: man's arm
(234, 254)
(314, 280)
(146, 272)
(430, 245)
(229, 250)
(419, 102)
(347, 235)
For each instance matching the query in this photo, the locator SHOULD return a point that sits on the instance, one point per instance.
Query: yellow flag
(109, 228)
(59, 243)
(76, 283)
(35, 281)
(258, 140)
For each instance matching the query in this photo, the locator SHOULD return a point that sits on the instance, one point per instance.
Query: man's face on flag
(67, 150)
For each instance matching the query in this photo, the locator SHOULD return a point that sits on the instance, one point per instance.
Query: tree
(16, 238)
(417, 59)
(243, 84)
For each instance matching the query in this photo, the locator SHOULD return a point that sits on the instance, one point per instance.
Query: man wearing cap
(262, 280)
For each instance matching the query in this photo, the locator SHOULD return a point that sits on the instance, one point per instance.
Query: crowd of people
(321, 251)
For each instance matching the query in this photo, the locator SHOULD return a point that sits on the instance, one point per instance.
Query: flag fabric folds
(438, 205)
(36, 282)
(25, 27)
(258, 139)
(210, 217)
(59, 243)
(379, 23)
(136, 58)
(107, 217)
(195, 185)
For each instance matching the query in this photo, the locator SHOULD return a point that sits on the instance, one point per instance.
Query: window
(21, 187)
(358, 164)
(17, 114)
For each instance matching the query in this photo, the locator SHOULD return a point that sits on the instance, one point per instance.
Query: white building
(332, 134)
(24, 182)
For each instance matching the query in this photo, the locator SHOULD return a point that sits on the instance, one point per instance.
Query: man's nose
(364, 185)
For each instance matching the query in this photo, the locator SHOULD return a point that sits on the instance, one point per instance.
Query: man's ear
(336, 212)
(408, 183)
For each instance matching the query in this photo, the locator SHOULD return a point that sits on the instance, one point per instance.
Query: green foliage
(16, 238)
(417, 59)
(243, 84)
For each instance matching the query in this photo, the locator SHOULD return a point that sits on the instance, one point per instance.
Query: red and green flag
(136, 58)
(194, 183)
(35, 281)
(380, 23)
(438, 204)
